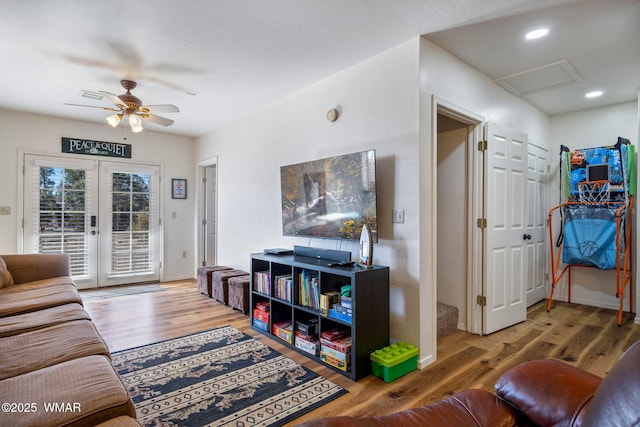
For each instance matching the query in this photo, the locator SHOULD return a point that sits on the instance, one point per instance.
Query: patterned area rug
(116, 291)
(220, 377)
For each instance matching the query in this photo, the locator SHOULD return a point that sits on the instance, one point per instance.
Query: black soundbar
(328, 254)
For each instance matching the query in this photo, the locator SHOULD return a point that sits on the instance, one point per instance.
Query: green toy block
(394, 361)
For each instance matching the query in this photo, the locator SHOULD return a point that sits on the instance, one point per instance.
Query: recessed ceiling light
(593, 94)
(536, 34)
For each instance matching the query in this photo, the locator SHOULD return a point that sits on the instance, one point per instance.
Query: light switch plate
(398, 216)
(5, 210)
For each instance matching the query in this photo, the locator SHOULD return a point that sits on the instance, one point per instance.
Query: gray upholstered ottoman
(204, 278)
(239, 293)
(220, 283)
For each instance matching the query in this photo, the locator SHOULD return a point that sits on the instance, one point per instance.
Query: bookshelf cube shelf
(291, 286)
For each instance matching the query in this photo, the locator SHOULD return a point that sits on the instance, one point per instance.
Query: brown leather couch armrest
(548, 392)
(468, 408)
(31, 267)
(616, 402)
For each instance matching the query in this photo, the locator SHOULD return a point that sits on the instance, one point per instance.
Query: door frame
(201, 255)
(475, 206)
(20, 195)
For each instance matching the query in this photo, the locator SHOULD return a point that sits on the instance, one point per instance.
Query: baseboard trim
(173, 279)
(426, 361)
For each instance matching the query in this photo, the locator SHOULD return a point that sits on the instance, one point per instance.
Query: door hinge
(481, 300)
(546, 276)
(204, 222)
(482, 223)
(482, 145)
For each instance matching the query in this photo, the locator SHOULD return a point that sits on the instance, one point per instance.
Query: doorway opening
(208, 213)
(105, 215)
(459, 197)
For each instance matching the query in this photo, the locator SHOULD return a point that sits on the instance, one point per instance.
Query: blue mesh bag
(590, 236)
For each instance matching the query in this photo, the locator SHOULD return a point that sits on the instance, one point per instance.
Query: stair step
(447, 319)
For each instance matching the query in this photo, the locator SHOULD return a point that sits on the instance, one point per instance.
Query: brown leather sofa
(536, 393)
(55, 368)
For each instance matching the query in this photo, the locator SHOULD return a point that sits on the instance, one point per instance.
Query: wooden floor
(583, 336)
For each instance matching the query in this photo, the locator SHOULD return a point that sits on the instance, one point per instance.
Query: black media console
(368, 325)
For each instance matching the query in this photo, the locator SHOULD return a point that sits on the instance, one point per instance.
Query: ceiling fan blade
(161, 108)
(114, 98)
(157, 119)
(94, 106)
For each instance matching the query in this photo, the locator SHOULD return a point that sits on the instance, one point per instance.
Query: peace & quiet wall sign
(96, 148)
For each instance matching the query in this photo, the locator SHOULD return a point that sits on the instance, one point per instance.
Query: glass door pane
(130, 223)
(57, 215)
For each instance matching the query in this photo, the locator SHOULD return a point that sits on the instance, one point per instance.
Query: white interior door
(105, 215)
(210, 214)
(505, 193)
(537, 210)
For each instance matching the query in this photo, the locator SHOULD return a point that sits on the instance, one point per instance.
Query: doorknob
(526, 237)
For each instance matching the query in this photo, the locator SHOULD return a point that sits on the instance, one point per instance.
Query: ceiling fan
(130, 106)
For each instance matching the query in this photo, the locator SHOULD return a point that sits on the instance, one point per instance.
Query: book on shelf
(309, 290)
(283, 287)
(262, 282)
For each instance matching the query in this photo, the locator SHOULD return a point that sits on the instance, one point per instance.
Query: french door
(105, 215)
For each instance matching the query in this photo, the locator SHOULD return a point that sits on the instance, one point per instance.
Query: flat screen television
(330, 198)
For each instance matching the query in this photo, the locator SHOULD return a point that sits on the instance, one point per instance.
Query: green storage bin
(394, 361)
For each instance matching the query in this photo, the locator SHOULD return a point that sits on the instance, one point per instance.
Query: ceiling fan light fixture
(114, 120)
(136, 123)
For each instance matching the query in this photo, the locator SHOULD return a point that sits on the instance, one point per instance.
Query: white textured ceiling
(219, 60)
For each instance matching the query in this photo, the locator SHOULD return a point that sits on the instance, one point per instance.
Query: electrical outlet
(5, 210)
(398, 216)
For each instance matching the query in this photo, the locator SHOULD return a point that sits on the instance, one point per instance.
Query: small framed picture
(178, 188)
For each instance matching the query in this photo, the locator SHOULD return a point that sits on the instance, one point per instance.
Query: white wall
(445, 77)
(584, 129)
(378, 100)
(22, 133)
(385, 103)
(452, 221)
